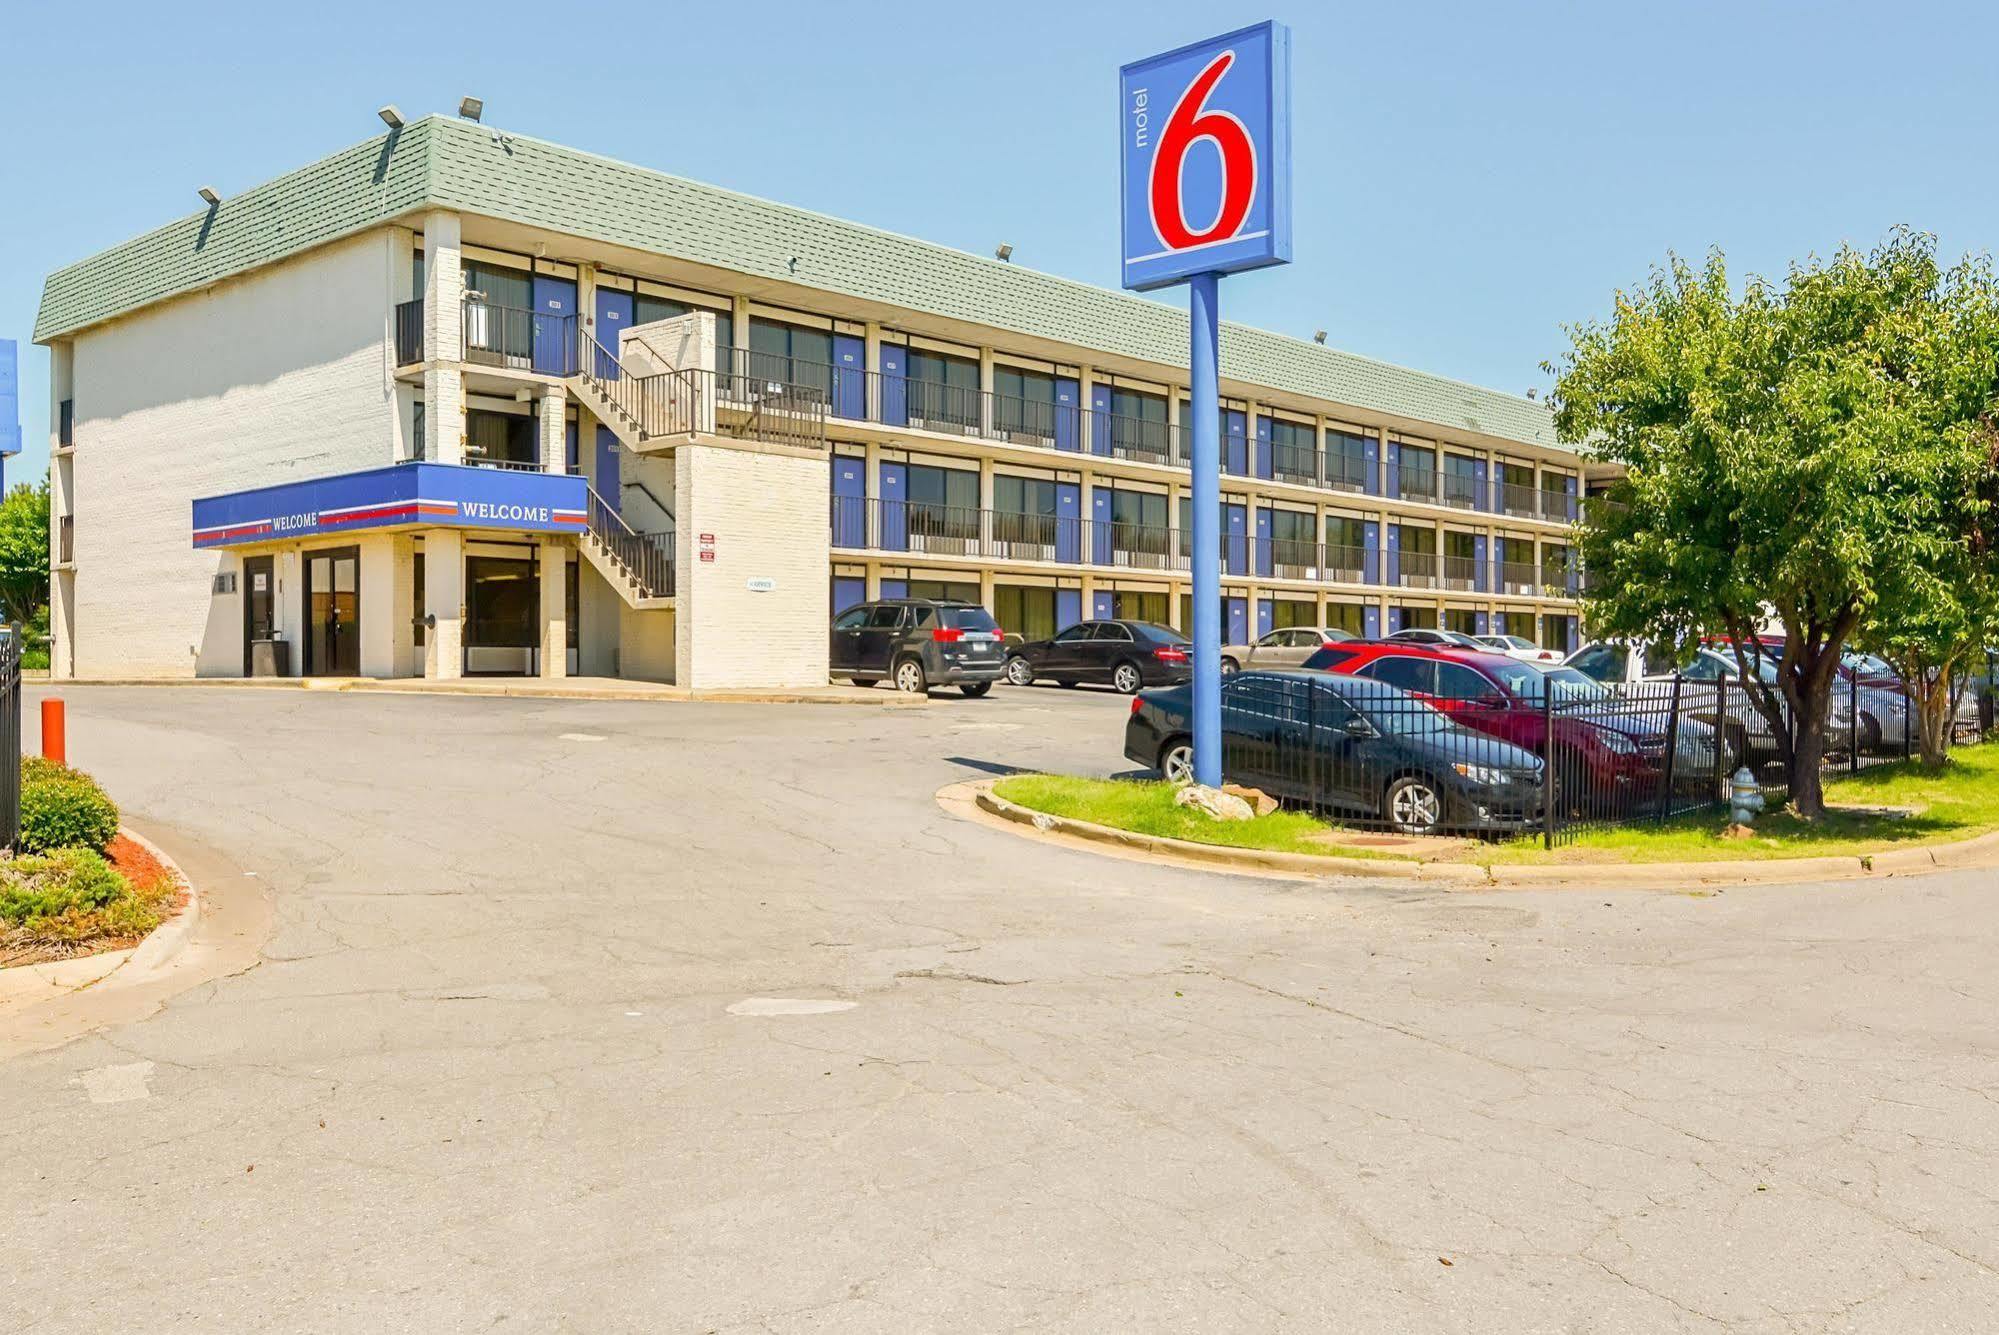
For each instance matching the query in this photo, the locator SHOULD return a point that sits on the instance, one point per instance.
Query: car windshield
(1570, 687)
(1158, 634)
(967, 618)
(1396, 711)
(1867, 663)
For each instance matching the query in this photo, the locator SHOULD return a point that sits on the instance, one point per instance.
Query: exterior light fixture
(471, 108)
(391, 117)
(1004, 253)
(1319, 336)
(208, 196)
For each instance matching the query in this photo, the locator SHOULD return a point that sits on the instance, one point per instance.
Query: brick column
(554, 561)
(443, 339)
(444, 604)
(555, 431)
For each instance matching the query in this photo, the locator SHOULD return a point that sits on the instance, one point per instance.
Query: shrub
(34, 769)
(66, 882)
(64, 809)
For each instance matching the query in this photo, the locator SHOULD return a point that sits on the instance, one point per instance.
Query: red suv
(1614, 752)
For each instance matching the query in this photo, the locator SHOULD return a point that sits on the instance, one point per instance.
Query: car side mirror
(1360, 727)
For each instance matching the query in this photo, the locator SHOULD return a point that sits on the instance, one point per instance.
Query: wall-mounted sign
(400, 495)
(760, 585)
(1206, 157)
(708, 554)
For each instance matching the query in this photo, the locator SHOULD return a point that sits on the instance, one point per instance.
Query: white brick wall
(275, 377)
(767, 513)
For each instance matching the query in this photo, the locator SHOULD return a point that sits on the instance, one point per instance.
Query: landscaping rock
(1214, 802)
(1263, 803)
(1738, 831)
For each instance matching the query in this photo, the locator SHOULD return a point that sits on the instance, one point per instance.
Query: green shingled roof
(439, 162)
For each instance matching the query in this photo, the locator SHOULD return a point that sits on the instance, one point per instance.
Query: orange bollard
(55, 739)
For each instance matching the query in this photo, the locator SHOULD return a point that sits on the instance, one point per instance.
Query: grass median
(1146, 807)
(1897, 805)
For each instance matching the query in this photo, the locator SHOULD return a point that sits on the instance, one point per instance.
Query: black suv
(1124, 654)
(918, 643)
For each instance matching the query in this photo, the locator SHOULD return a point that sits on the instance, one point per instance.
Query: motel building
(454, 401)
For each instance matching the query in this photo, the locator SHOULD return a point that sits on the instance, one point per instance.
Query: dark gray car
(918, 643)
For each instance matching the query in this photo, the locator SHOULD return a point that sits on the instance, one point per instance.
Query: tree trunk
(1933, 713)
(1807, 753)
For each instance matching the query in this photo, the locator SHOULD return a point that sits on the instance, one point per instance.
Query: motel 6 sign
(1206, 160)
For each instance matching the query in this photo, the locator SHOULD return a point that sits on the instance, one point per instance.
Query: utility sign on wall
(1206, 160)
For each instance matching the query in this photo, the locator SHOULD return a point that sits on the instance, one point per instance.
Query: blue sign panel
(1206, 158)
(441, 495)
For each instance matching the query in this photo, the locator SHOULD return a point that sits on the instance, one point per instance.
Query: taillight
(1168, 654)
(1135, 703)
(947, 635)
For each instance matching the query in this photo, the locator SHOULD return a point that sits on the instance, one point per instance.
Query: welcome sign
(402, 495)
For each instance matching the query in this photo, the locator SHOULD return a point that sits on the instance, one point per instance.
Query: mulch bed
(142, 869)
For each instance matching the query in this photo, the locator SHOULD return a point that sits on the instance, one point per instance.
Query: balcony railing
(1557, 505)
(1462, 573)
(1347, 471)
(409, 332)
(1416, 484)
(1518, 499)
(1519, 577)
(1461, 490)
(1417, 570)
(1347, 565)
(1295, 463)
(520, 340)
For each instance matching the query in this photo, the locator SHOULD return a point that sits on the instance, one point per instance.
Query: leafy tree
(24, 551)
(1788, 454)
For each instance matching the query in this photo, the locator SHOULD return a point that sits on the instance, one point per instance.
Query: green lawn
(1146, 807)
(1957, 803)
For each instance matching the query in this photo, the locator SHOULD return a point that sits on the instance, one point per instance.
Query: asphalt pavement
(598, 1016)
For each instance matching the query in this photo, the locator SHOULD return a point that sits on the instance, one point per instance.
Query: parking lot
(705, 1017)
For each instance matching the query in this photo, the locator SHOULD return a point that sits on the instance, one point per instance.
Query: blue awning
(400, 496)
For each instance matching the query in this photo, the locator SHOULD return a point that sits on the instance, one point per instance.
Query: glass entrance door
(502, 616)
(333, 613)
(259, 604)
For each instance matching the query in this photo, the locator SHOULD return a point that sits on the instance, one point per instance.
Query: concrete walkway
(541, 688)
(584, 1015)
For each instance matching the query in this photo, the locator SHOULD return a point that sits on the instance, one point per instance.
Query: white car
(1286, 648)
(1436, 639)
(1750, 738)
(1520, 647)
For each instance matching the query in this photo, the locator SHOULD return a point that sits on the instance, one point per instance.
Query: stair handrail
(649, 561)
(658, 504)
(662, 404)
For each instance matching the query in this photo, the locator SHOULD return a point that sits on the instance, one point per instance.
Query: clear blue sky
(1470, 176)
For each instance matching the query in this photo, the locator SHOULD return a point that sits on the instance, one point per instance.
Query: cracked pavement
(486, 1075)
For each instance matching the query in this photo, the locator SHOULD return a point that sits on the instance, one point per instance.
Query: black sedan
(1129, 655)
(1360, 749)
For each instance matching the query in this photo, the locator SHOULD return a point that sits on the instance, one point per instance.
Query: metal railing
(1416, 484)
(1341, 564)
(1348, 471)
(1519, 577)
(505, 465)
(647, 558)
(521, 340)
(1557, 505)
(1461, 490)
(409, 332)
(10, 741)
(1516, 499)
(1417, 570)
(1295, 463)
(1462, 573)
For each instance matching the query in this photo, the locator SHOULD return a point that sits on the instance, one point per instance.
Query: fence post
(1908, 717)
(1665, 806)
(1547, 765)
(1853, 723)
(10, 740)
(1721, 775)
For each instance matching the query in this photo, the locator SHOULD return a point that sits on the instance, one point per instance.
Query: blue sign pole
(1205, 157)
(1205, 402)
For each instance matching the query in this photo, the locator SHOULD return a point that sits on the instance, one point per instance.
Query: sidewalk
(561, 688)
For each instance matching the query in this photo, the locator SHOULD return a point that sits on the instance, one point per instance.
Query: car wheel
(1126, 678)
(1019, 672)
(1414, 805)
(1176, 761)
(975, 689)
(1229, 666)
(909, 677)
(865, 683)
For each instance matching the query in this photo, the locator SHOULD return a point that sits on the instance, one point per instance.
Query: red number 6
(1189, 123)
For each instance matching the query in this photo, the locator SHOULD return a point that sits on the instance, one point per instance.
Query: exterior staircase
(641, 410)
(638, 565)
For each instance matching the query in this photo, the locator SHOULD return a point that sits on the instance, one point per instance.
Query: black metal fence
(10, 739)
(1553, 765)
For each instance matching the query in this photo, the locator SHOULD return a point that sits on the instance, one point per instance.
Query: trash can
(270, 658)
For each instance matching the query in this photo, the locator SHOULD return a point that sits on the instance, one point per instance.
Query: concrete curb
(215, 935)
(1978, 852)
(515, 690)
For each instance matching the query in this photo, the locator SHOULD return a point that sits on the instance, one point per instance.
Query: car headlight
(1484, 774)
(1618, 744)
